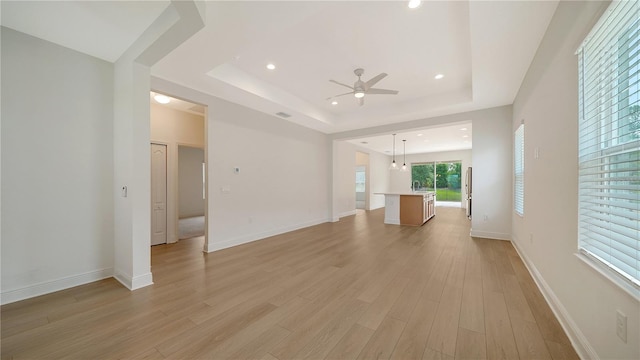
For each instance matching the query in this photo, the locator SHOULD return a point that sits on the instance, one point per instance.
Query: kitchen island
(409, 208)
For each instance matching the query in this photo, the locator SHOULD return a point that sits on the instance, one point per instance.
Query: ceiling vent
(283, 114)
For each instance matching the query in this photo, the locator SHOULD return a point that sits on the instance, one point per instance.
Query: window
(609, 142)
(518, 166)
(361, 176)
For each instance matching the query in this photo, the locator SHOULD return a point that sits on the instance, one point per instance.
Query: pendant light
(394, 166)
(404, 154)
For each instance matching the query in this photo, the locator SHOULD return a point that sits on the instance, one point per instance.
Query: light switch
(124, 191)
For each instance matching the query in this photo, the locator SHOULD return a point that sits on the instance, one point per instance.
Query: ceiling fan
(360, 88)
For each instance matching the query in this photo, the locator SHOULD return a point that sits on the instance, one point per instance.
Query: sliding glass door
(442, 177)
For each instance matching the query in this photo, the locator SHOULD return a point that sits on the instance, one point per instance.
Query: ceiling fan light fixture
(358, 94)
(414, 4)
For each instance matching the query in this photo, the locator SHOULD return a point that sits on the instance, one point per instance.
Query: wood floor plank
(381, 306)
(561, 351)
(383, 341)
(351, 343)
(471, 345)
(261, 345)
(446, 322)
(429, 292)
(413, 339)
(499, 334)
(530, 343)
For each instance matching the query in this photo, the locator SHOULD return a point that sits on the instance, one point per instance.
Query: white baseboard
(348, 213)
(47, 287)
(490, 235)
(577, 338)
(219, 245)
(135, 282)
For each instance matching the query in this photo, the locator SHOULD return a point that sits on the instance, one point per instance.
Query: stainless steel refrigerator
(468, 190)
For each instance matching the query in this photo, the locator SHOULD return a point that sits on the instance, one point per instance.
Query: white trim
(490, 235)
(611, 275)
(347, 213)
(220, 245)
(578, 340)
(134, 283)
(47, 287)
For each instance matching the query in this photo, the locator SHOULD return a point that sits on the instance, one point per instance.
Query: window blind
(518, 196)
(609, 141)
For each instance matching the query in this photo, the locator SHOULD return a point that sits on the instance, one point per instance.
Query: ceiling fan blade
(374, 80)
(381, 91)
(335, 96)
(361, 101)
(339, 83)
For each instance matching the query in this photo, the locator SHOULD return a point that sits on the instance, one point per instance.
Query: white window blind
(518, 196)
(609, 141)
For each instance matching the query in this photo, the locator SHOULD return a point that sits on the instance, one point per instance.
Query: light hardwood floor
(355, 289)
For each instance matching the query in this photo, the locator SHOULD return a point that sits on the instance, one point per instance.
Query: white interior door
(158, 194)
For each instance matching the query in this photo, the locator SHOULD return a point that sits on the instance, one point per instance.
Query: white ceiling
(433, 139)
(483, 48)
(104, 29)
(178, 104)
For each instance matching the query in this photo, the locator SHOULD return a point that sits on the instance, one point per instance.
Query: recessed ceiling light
(334, 102)
(162, 99)
(419, 134)
(463, 129)
(271, 66)
(414, 4)
(465, 136)
(439, 76)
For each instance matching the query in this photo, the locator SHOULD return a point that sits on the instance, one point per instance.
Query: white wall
(283, 183)
(401, 181)
(585, 301)
(57, 162)
(190, 196)
(379, 178)
(173, 128)
(492, 175)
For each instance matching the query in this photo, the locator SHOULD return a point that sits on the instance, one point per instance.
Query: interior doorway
(361, 187)
(191, 192)
(179, 126)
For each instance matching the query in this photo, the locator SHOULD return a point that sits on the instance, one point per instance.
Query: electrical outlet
(486, 217)
(621, 325)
